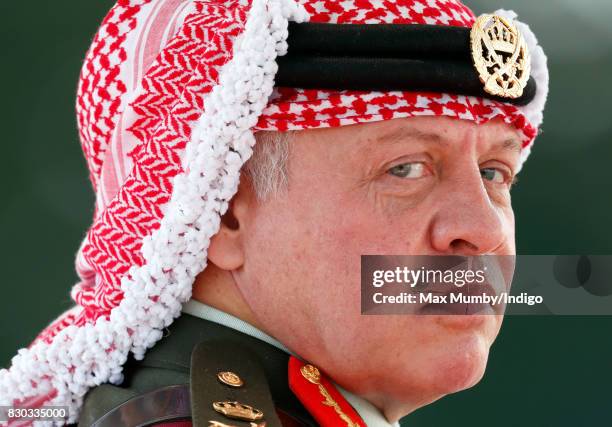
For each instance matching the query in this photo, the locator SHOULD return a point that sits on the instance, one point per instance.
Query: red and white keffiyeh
(170, 95)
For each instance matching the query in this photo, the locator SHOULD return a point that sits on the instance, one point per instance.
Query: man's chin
(456, 362)
(462, 363)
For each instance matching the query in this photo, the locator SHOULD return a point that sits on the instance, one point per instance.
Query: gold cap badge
(500, 55)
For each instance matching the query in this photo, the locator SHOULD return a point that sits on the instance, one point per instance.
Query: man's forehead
(443, 132)
(494, 135)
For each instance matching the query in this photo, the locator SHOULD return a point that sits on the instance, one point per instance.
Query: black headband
(384, 57)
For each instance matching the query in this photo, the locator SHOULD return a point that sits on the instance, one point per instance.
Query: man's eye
(413, 170)
(492, 174)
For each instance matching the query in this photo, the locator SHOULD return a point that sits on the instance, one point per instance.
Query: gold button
(230, 379)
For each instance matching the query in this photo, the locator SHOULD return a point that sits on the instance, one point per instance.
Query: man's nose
(467, 222)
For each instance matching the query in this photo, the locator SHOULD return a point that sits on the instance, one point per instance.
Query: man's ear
(226, 248)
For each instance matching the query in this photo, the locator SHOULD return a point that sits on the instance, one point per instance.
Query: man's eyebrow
(411, 133)
(406, 132)
(512, 144)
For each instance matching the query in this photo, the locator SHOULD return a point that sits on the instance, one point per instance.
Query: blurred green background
(543, 371)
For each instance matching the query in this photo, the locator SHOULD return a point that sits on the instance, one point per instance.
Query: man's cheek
(373, 237)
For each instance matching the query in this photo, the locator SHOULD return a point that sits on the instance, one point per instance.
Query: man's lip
(461, 308)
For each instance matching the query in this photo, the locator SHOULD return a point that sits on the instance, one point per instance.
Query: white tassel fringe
(80, 358)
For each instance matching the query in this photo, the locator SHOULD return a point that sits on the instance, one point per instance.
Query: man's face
(415, 186)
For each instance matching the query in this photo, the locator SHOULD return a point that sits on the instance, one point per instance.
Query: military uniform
(200, 364)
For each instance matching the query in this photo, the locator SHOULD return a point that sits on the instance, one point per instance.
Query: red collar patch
(320, 397)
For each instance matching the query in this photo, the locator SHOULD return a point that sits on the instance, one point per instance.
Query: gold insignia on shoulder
(213, 423)
(500, 55)
(230, 379)
(238, 411)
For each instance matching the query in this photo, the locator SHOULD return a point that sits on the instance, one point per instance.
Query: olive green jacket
(178, 380)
